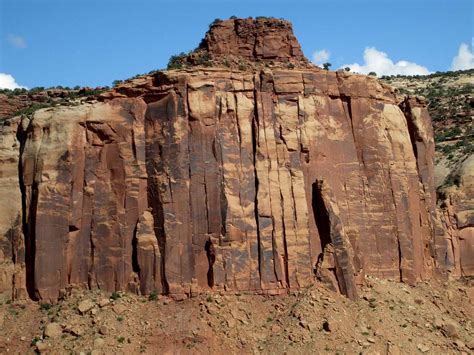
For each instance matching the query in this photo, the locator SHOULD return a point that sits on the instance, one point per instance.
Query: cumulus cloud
(8, 82)
(464, 60)
(16, 41)
(379, 62)
(320, 57)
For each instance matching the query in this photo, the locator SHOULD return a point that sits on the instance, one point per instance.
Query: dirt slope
(389, 318)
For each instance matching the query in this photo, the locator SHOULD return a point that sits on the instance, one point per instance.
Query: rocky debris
(450, 329)
(53, 330)
(248, 323)
(423, 348)
(41, 347)
(85, 306)
(392, 349)
(99, 343)
(103, 302)
(119, 308)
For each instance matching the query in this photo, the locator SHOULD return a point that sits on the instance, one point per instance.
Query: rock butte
(212, 178)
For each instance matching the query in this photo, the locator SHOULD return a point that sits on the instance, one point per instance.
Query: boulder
(53, 330)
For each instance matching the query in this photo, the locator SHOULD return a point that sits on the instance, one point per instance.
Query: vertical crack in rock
(255, 130)
(285, 248)
(154, 161)
(211, 257)
(321, 216)
(28, 212)
(334, 237)
(135, 264)
(397, 234)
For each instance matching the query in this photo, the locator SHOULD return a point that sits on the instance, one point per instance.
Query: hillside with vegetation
(450, 97)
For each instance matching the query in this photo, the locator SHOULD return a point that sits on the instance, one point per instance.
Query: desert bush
(204, 59)
(326, 66)
(176, 61)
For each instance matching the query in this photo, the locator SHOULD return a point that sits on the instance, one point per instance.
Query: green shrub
(115, 296)
(35, 340)
(153, 296)
(204, 59)
(264, 18)
(45, 306)
(215, 22)
(176, 61)
(31, 109)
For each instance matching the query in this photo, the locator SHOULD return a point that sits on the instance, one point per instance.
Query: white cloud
(379, 62)
(8, 82)
(320, 57)
(464, 60)
(16, 41)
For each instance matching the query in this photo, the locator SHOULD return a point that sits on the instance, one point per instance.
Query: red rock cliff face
(216, 179)
(254, 40)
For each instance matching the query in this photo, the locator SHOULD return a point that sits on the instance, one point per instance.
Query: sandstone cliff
(217, 178)
(450, 99)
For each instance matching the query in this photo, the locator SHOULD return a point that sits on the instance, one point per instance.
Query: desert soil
(389, 318)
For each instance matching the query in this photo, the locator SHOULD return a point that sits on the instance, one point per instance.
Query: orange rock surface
(213, 178)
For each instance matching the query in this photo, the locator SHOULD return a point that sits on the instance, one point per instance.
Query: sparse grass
(45, 306)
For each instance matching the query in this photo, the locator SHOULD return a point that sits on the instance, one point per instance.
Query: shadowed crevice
(28, 221)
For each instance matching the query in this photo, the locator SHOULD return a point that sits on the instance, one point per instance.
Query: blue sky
(93, 42)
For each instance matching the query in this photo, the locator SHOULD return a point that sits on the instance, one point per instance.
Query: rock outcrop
(253, 40)
(213, 178)
(451, 106)
(456, 233)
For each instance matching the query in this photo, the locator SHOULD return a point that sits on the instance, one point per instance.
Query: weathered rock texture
(203, 179)
(8, 106)
(247, 43)
(261, 39)
(456, 233)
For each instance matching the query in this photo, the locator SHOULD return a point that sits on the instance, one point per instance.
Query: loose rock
(53, 330)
